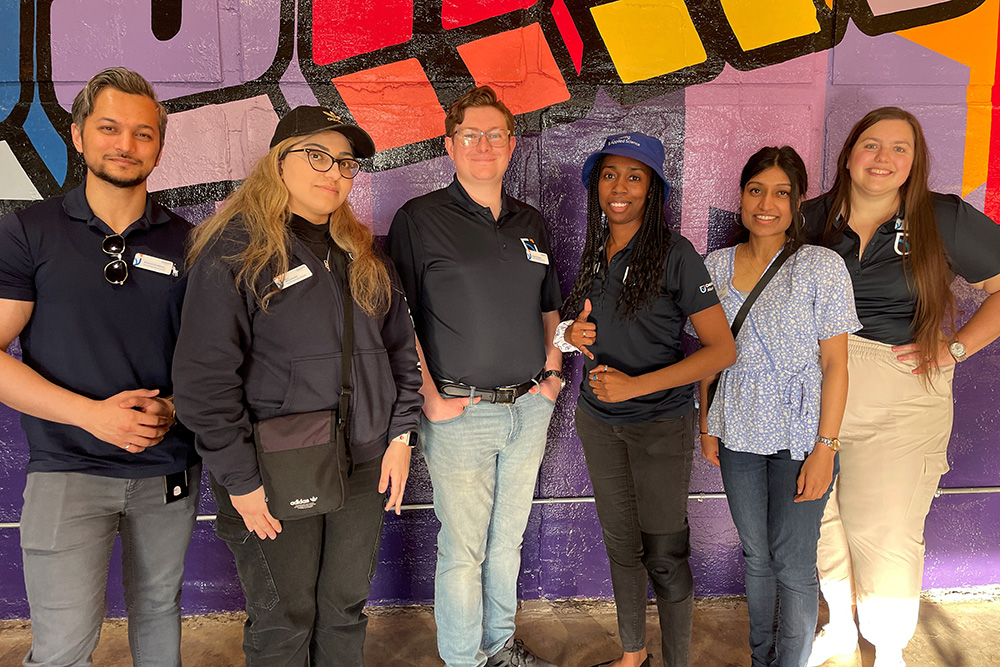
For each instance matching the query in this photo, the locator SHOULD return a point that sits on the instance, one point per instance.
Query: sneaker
(889, 657)
(515, 654)
(833, 642)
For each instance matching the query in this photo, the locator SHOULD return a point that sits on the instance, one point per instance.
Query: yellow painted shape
(648, 38)
(971, 40)
(758, 23)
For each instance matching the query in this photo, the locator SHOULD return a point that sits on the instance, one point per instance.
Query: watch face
(957, 350)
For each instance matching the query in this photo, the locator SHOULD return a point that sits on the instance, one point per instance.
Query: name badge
(722, 290)
(154, 264)
(533, 253)
(296, 275)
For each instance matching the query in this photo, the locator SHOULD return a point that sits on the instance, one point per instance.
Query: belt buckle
(505, 396)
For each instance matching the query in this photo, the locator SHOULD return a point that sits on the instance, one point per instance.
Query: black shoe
(515, 654)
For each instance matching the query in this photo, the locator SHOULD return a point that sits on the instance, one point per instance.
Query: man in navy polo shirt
(90, 283)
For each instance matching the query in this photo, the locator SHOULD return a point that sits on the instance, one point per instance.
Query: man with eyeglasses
(481, 283)
(90, 283)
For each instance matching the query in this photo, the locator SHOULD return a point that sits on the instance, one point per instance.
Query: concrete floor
(954, 631)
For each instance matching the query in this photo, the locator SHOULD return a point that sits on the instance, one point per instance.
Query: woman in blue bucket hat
(638, 283)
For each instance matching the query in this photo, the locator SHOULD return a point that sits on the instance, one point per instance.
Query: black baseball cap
(302, 121)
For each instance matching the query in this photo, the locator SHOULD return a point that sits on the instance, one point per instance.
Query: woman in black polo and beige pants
(902, 244)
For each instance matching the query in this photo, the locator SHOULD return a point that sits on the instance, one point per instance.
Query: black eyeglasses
(115, 271)
(323, 162)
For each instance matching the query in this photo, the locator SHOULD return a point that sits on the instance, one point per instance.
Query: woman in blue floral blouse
(773, 423)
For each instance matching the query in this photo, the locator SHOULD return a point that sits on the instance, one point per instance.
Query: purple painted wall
(233, 67)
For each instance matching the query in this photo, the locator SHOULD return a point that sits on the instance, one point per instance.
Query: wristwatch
(832, 443)
(555, 374)
(958, 351)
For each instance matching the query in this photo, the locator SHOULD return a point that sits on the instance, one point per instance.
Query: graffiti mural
(714, 80)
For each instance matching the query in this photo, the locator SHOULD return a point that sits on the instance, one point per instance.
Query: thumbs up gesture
(582, 333)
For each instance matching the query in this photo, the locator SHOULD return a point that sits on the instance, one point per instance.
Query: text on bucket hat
(647, 150)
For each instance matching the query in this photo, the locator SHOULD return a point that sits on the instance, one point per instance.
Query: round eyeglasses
(322, 161)
(115, 271)
(497, 137)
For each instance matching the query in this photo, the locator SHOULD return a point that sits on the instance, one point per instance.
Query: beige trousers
(893, 452)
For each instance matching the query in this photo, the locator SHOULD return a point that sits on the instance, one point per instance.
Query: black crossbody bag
(745, 308)
(304, 459)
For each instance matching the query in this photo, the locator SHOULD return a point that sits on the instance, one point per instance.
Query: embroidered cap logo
(332, 116)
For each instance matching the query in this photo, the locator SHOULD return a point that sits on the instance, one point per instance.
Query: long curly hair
(925, 264)
(259, 209)
(645, 273)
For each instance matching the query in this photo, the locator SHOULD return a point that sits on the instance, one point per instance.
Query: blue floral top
(769, 399)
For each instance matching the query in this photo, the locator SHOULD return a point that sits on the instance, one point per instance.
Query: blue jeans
(483, 465)
(68, 527)
(779, 539)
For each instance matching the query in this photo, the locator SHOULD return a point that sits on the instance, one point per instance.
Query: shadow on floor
(572, 634)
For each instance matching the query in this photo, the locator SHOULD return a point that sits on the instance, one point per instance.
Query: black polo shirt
(475, 295)
(653, 339)
(885, 301)
(92, 337)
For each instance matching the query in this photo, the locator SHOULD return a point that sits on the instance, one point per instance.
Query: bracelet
(703, 433)
(559, 339)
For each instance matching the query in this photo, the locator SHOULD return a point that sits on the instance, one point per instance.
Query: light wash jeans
(68, 527)
(779, 539)
(483, 465)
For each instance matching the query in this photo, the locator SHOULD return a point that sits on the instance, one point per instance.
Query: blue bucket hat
(647, 150)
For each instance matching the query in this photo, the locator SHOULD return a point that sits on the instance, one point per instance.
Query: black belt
(500, 395)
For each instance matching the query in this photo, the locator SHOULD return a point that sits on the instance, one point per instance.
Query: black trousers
(641, 473)
(306, 590)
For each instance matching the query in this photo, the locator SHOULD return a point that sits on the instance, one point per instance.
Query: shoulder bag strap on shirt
(758, 288)
(347, 346)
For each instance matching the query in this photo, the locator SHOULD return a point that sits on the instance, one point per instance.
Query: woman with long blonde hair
(902, 245)
(261, 340)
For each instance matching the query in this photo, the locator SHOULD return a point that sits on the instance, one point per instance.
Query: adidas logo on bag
(304, 503)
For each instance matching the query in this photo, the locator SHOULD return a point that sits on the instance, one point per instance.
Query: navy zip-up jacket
(236, 364)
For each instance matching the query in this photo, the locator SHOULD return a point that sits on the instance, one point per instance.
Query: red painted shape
(458, 13)
(570, 35)
(395, 103)
(518, 64)
(345, 29)
(993, 169)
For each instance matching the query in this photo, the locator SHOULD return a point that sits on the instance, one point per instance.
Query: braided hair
(642, 283)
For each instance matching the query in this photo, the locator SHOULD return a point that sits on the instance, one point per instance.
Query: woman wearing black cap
(260, 340)
(638, 282)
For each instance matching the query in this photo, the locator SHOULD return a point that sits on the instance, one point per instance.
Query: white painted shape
(14, 182)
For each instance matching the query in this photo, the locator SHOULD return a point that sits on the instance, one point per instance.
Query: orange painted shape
(518, 64)
(970, 39)
(395, 103)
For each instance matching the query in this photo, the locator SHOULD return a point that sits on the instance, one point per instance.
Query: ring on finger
(605, 368)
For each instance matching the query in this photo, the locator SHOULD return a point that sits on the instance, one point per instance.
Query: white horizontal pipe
(588, 499)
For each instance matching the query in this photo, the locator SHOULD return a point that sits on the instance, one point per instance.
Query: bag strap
(347, 346)
(758, 288)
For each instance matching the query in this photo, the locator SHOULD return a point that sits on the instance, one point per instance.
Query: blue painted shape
(9, 45)
(46, 140)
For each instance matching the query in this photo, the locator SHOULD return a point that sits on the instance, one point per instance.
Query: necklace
(749, 260)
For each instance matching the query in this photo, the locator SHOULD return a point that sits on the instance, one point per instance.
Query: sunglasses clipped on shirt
(115, 271)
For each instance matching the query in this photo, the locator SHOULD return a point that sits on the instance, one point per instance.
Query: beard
(98, 169)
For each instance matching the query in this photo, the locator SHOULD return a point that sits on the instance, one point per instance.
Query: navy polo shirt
(885, 301)
(475, 291)
(652, 340)
(89, 336)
